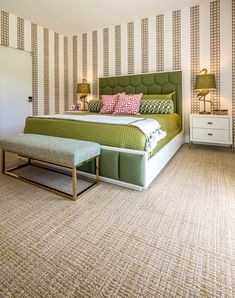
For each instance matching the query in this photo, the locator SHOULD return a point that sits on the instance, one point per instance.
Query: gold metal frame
(202, 97)
(74, 175)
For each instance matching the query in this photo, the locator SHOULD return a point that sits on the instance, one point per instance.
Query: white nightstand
(211, 129)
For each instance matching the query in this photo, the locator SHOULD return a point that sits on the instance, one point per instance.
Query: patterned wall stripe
(176, 39)
(84, 56)
(66, 75)
(106, 52)
(130, 47)
(233, 66)
(194, 56)
(4, 28)
(34, 46)
(160, 43)
(215, 50)
(95, 81)
(118, 50)
(75, 68)
(46, 70)
(20, 33)
(144, 46)
(57, 73)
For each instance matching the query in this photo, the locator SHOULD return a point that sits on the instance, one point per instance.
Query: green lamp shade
(83, 88)
(205, 81)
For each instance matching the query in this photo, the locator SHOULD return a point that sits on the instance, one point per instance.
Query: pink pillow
(109, 102)
(128, 104)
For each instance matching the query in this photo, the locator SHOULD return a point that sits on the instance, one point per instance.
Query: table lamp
(204, 82)
(83, 89)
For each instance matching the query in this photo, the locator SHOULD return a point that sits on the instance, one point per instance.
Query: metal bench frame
(73, 173)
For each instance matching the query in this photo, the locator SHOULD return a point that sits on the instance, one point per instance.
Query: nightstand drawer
(211, 135)
(210, 122)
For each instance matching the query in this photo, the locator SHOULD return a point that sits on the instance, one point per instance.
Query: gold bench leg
(97, 169)
(74, 178)
(3, 161)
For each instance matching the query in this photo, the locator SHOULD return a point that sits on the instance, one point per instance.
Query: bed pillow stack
(160, 106)
(133, 104)
(159, 96)
(95, 105)
(121, 103)
(128, 104)
(109, 103)
(158, 103)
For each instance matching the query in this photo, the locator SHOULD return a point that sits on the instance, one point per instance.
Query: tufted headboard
(153, 83)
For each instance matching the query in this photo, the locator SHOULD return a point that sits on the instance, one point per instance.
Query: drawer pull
(210, 123)
(210, 134)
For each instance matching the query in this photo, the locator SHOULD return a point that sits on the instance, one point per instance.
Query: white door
(15, 88)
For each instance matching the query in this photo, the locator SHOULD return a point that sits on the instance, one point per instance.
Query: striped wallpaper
(52, 65)
(118, 50)
(233, 66)
(189, 39)
(144, 46)
(75, 69)
(95, 77)
(130, 47)
(20, 33)
(194, 55)
(159, 43)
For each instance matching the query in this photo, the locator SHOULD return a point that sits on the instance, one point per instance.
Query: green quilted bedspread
(114, 135)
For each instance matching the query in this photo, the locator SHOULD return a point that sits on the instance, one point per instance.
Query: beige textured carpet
(175, 240)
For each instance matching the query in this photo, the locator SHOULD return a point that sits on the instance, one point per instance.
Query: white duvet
(150, 127)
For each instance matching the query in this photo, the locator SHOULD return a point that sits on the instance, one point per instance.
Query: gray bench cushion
(58, 150)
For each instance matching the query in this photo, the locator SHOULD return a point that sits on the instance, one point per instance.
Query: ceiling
(77, 16)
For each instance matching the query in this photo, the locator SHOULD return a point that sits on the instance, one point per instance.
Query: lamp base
(202, 97)
(205, 112)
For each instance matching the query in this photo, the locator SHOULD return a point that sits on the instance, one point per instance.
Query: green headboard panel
(153, 83)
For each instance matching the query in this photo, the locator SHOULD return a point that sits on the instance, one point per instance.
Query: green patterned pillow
(159, 96)
(152, 106)
(94, 105)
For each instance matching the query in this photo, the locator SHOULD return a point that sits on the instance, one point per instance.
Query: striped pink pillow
(128, 104)
(109, 102)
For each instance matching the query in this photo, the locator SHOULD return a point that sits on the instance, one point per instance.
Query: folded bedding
(108, 134)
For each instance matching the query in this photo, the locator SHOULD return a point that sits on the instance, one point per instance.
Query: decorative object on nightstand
(204, 82)
(220, 112)
(83, 89)
(211, 129)
(76, 107)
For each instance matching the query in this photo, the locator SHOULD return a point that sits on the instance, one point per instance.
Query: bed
(124, 160)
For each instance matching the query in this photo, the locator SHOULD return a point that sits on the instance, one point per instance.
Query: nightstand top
(210, 115)
(76, 111)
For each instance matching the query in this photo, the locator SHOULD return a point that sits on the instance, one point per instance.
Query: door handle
(30, 99)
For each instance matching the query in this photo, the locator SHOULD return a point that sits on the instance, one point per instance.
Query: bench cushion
(57, 150)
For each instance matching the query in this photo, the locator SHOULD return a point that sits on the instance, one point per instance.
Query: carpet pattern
(176, 239)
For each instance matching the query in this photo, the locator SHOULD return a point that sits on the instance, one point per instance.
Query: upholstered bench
(63, 152)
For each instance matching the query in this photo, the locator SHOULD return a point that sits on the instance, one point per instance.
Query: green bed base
(128, 167)
(115, 163)
(119, 166)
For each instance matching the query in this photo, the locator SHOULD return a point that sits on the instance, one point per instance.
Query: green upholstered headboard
(153, 83)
